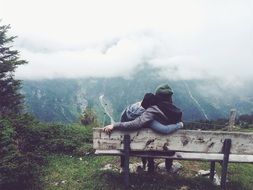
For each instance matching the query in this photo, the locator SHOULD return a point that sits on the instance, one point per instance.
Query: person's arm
(143, 120)
(165, 129)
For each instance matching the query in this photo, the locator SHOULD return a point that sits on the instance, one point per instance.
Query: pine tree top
(11, 101)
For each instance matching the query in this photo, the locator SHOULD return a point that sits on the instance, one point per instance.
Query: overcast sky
(78, 38)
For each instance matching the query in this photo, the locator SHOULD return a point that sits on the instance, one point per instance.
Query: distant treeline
(206, 124)
(243, 121)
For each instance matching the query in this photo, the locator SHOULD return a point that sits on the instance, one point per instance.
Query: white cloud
(188, 38)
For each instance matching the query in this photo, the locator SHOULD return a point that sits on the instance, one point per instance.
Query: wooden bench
(213, 146)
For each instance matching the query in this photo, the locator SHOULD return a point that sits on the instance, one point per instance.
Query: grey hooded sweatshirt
(144, 120)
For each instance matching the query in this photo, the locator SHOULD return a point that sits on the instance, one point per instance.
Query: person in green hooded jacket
(160, 109)
(156, 111)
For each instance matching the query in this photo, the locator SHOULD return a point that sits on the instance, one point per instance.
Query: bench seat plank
(182, 156)
(180, 141)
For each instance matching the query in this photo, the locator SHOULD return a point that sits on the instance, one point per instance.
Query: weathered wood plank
(181, 140)
(185, 156)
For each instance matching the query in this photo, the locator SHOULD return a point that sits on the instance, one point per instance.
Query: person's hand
(181, 124)
(108, 128)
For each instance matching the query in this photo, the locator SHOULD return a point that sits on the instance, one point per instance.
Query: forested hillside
(64, 100)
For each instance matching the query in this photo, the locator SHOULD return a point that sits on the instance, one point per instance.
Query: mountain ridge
(64, 100)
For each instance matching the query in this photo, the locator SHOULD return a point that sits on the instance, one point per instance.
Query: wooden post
(232, 117)
(226, 152)
(126, 160)
(212, 169)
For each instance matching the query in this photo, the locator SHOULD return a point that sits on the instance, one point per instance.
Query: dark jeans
(158, 127)
(151, 163)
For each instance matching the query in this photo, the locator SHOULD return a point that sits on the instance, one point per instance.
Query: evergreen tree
(10, 98)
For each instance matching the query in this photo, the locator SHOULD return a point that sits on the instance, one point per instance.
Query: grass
(64, 172)
(241, 176)
(245, 130)
(76, 173)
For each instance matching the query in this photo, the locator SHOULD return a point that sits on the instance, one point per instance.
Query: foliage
(68, 139)
(10, 98)
(19, 165)
(57, 100)
(85, 173)
(240, 176)
(24, 143)
(218, 124)
(89, 117)
(70, 172)
(245, 120)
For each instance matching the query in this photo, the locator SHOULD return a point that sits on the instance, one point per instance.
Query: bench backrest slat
(181, 140)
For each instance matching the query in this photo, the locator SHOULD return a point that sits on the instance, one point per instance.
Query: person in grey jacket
(135, 110)
(155, 111)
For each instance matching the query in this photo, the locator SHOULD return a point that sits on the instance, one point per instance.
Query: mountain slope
(64, 100)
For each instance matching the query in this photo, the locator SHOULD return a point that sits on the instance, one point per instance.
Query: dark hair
(163, 98)
(149, 99)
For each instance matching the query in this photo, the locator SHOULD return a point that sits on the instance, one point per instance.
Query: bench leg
(168, 164)
(151, 165)
(122, 161)
(126, 160)
(226, 151)
(144, 163)
(212, 169)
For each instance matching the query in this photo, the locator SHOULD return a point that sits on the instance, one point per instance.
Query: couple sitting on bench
(154, 111)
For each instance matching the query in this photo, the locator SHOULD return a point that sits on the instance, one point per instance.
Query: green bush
(19, 168)
(24, 143)
(53, 138)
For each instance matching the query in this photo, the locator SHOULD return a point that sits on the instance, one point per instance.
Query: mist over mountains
(64, 100)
